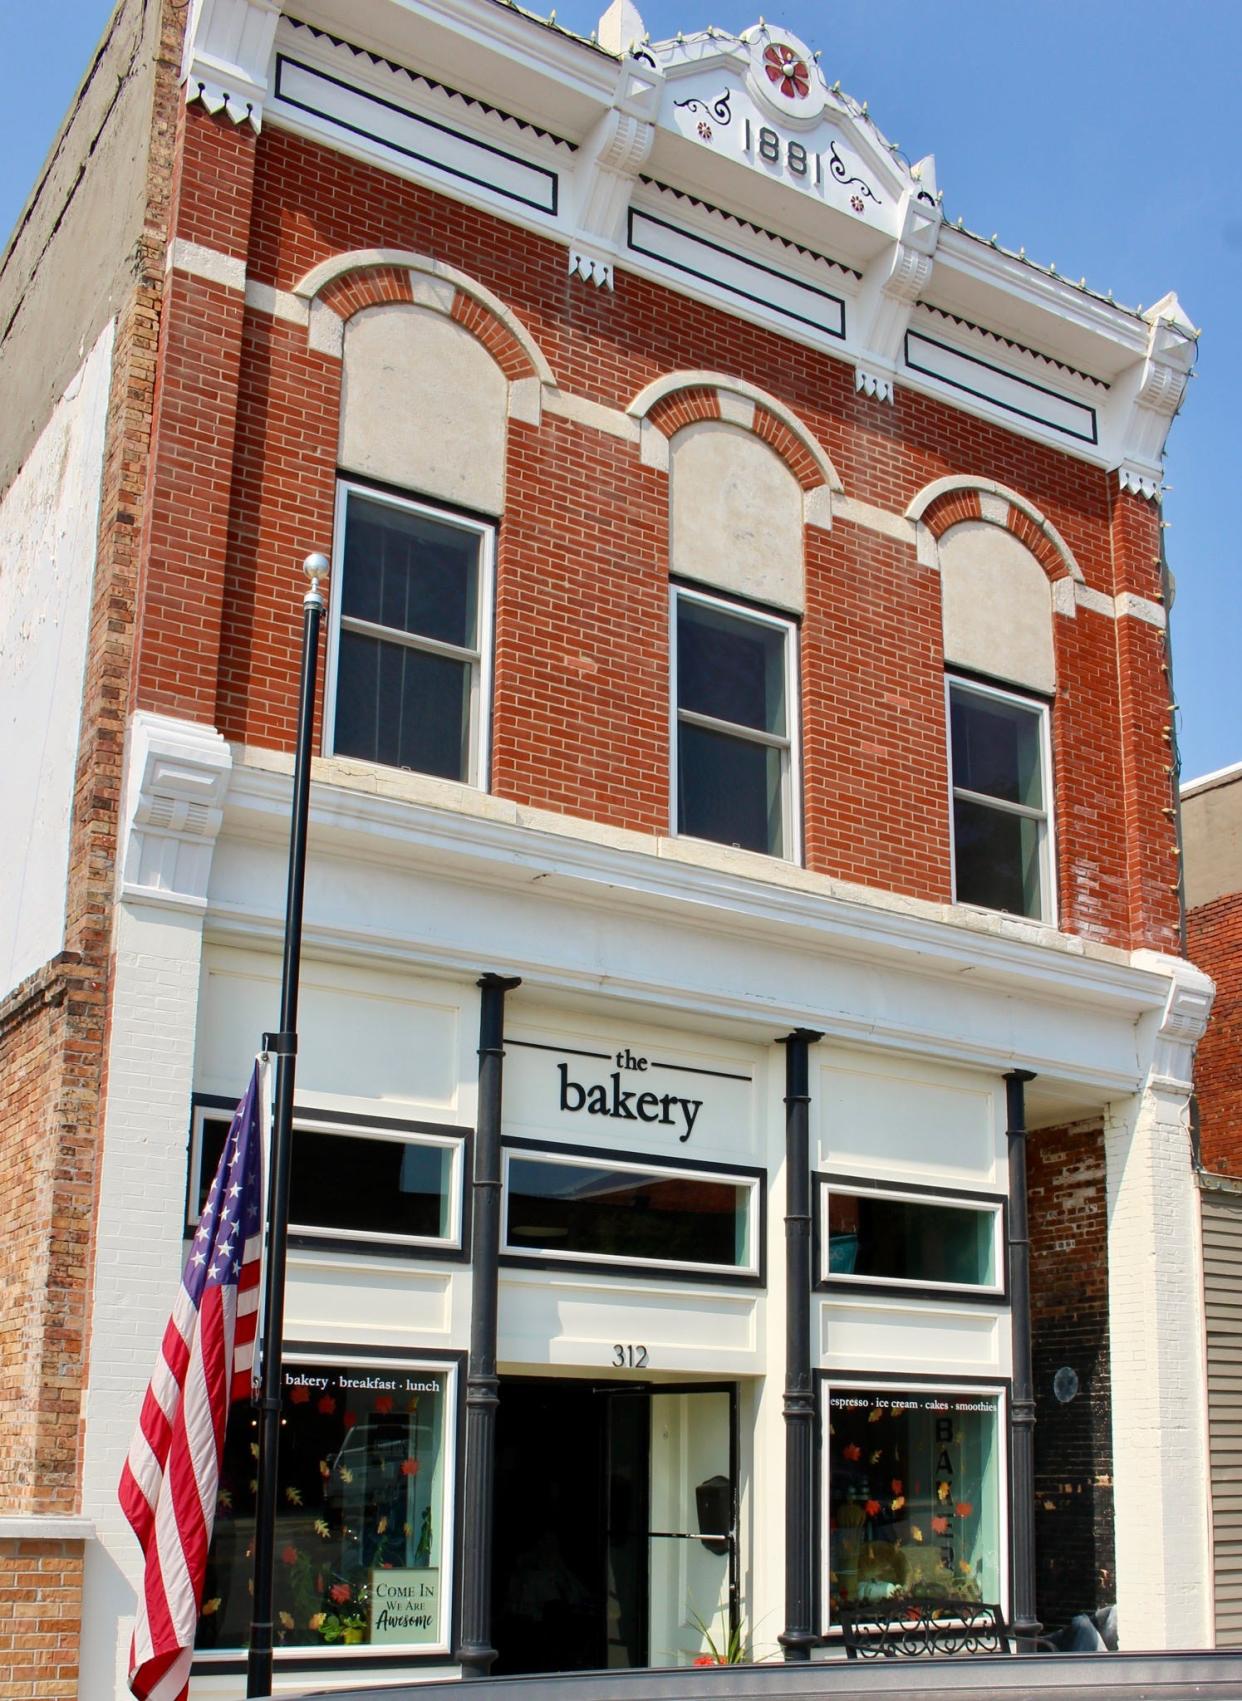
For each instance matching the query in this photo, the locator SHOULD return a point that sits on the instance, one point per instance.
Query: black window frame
(898, 1382)
(632, 1268)
(995, 1297)
(359, 1658)
(305, 1237)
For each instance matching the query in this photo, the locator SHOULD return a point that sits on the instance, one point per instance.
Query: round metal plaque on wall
(1065, 1384)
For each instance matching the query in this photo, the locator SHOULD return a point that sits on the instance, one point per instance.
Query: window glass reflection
(361, 1513)
(914, 1496)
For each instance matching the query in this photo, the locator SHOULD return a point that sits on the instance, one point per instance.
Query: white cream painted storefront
(688, 959)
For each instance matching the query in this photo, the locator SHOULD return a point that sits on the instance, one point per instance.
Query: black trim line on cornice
(1011, 342)
(747, 224)
(431, 82)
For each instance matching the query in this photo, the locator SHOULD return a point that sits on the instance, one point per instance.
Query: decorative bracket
(1154, 387)
(176, 775)
(873, 384)
(1137, 481)
(606, 170)
(893, 283)
(1186, 1012)
(228, 47)
(591, 268)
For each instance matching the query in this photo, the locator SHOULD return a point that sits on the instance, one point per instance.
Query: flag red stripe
(170, 1480)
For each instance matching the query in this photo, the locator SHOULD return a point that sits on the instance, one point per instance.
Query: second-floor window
(408, 674)
(1002, 854)
(734, 734)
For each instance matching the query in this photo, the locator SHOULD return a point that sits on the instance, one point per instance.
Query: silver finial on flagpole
(316, 568)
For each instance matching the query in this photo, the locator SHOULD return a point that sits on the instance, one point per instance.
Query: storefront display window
(914, 1490)
(364, 1182)
(585, 1208)
(364, 1519)
(906, 1239)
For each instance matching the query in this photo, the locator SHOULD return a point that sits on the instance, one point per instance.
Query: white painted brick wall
(1160, 1458)
(138, 1265)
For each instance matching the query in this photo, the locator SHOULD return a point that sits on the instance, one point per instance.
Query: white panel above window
(996, 604)
(423, 406)
(735, 514)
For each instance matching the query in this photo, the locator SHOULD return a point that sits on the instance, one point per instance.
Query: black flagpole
(284, 1045)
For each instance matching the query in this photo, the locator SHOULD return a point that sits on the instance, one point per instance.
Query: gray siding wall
(1222, 1279)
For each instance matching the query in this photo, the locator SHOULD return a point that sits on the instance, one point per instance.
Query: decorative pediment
(759, 100)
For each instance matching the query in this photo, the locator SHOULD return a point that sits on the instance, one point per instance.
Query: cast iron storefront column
(1022, 1403)
(799, 1635)
(475, 1650)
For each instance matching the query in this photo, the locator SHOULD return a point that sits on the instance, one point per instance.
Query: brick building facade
(746, 618)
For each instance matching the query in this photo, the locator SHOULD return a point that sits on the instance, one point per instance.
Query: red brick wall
(245, 450)
(581, 699)
(40, 1619)
(1074, 1553)
(875, 780)
(1214, 944)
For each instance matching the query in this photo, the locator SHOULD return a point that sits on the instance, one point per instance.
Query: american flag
(169, 1484)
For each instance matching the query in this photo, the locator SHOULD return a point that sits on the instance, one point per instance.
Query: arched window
(422, 452)
(998, 647)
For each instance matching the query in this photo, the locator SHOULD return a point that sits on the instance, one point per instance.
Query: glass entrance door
(671, 1517)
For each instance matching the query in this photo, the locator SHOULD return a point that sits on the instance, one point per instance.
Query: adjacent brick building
(746, 624)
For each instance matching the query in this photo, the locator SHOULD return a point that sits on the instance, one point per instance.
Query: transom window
(734, 725)
(1001, 810)
(382, 1185)
(408, 670)
(898, 1239)
(598, 1209)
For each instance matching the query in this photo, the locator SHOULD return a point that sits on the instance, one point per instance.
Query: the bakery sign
(626, 1086)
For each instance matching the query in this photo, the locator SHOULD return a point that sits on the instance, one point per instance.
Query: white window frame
(888, 1384)
(292, 1357)
(308, 1122)
(479, 659)
(609, 1260)
(790, 745)
(987, 1205)
(1047, 835)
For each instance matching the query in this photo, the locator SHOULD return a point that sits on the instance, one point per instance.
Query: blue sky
(1098, 136)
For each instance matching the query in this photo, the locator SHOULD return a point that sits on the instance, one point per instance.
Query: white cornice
(623, 116)
(508, 846)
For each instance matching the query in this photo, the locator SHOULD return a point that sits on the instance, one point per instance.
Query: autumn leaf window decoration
(359, 1495)
(906, 1480)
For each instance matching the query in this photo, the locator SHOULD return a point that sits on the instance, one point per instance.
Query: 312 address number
(629, 1356)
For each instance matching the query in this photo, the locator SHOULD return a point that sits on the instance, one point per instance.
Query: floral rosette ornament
(783, 77)
(788, 70)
